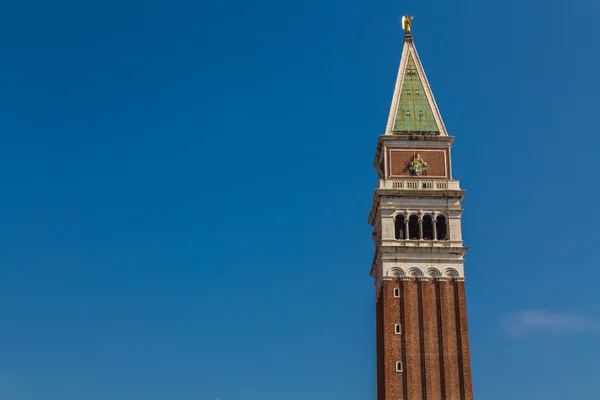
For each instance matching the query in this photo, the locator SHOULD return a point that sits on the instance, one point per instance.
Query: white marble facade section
(414, 268)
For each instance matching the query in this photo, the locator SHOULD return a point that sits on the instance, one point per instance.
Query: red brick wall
(437, 162)
(394, 381)
(447, 310)
(431, 337)
(434, 344)
(412, 369)
(464, 336)
(379, 340)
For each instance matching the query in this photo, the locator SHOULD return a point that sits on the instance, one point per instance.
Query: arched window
(399, 227)
(427, 227)
(413, 227)
(441, 228)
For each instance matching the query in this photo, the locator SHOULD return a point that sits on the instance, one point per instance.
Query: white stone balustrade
(420, 243)
(418, 184)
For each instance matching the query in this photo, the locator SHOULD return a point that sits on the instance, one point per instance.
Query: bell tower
(421, 314)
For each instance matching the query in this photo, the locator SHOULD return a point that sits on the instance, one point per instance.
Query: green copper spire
(413, 110)
(414, 113)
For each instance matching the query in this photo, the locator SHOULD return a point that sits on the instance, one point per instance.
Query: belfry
(421, 314)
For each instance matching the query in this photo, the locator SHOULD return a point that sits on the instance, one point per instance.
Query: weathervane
(406, 21)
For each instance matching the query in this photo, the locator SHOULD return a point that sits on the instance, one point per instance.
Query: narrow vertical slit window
(397, 329)
(396, 292)
(399, 366)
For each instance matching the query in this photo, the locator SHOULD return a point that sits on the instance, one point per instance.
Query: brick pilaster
(449, 341)
(412, 369)
(380, 347)
(393, 380)
(464, 339)
(431, 341)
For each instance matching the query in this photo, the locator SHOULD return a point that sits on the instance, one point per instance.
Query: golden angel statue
(406, 21)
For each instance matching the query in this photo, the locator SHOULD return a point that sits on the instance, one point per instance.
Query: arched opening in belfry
(400, 227)
(441, 228)
(413, 227)
(427, 227)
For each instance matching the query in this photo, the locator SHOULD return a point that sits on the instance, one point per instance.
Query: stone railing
(421, 243)
(418, 184)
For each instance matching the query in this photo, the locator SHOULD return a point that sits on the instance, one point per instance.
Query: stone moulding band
(415, 272)
(421, 278)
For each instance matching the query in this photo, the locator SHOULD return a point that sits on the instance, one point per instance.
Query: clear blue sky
(186, 184)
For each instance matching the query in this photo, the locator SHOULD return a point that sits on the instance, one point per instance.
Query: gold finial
(406, 21)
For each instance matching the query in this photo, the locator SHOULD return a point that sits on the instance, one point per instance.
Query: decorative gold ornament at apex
(406, 21)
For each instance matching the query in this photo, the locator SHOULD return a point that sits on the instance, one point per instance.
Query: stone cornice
(411, 251)
(420, 193)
